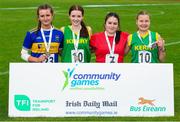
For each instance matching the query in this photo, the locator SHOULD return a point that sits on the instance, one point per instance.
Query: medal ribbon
(76, 41)
(47, 45)
(111, 50)
(150, 39)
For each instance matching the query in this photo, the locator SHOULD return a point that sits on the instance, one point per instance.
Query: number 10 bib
(77, 56)
(144, 57)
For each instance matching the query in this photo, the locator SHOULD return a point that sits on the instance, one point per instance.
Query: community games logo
(67, 75)
(86, 81)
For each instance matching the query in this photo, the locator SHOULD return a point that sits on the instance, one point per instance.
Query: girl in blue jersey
(43, 43)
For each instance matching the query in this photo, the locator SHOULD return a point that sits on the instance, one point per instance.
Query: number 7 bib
(112, 58)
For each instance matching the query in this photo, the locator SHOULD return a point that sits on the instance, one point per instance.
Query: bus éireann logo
(143, 101)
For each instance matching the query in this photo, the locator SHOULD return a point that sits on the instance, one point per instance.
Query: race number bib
(50, 59)
(112, 58)
(77, 56)
(144, 57)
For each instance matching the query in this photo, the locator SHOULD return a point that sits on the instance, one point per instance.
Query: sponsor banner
(90, 89)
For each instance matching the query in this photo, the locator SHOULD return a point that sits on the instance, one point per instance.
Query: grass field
(19, 16)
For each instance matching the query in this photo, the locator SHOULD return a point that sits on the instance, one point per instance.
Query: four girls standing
(44, 43)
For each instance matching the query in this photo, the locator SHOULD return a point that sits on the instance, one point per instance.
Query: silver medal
(76, 59)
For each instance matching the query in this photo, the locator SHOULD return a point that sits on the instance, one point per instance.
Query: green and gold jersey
(144, 49)
(83, 54)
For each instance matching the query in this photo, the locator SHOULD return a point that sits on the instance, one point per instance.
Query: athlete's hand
(42, 58)
(160, 44)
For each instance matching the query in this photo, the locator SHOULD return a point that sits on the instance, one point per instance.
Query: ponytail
(118, 36)
(84, 32)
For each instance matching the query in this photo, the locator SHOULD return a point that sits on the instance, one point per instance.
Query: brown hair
(44, 6)
(118, 32)
(83, 31)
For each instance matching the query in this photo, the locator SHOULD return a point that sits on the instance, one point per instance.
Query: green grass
(165, 19)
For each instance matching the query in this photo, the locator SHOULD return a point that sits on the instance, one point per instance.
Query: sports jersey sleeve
(89, 30)
(157, 36)
(129, 40)
(93, 41)
(62, 29)
(27, 41)
(61, 41)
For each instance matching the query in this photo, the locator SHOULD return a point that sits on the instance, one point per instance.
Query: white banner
(93, 89)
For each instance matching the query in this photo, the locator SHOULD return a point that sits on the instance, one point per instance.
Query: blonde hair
(143, 12)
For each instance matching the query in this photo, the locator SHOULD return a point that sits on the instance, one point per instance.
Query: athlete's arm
(128, 45)
(92, 43)
(25, 56)
(161, 49)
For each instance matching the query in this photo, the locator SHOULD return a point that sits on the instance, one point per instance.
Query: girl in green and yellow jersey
(76, 38)
(146, 46)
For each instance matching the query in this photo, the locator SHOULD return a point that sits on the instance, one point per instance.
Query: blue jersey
(34, 42)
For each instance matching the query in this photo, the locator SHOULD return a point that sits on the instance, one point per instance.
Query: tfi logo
(22, 102)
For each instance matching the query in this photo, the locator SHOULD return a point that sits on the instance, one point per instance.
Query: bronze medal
(48, 54)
